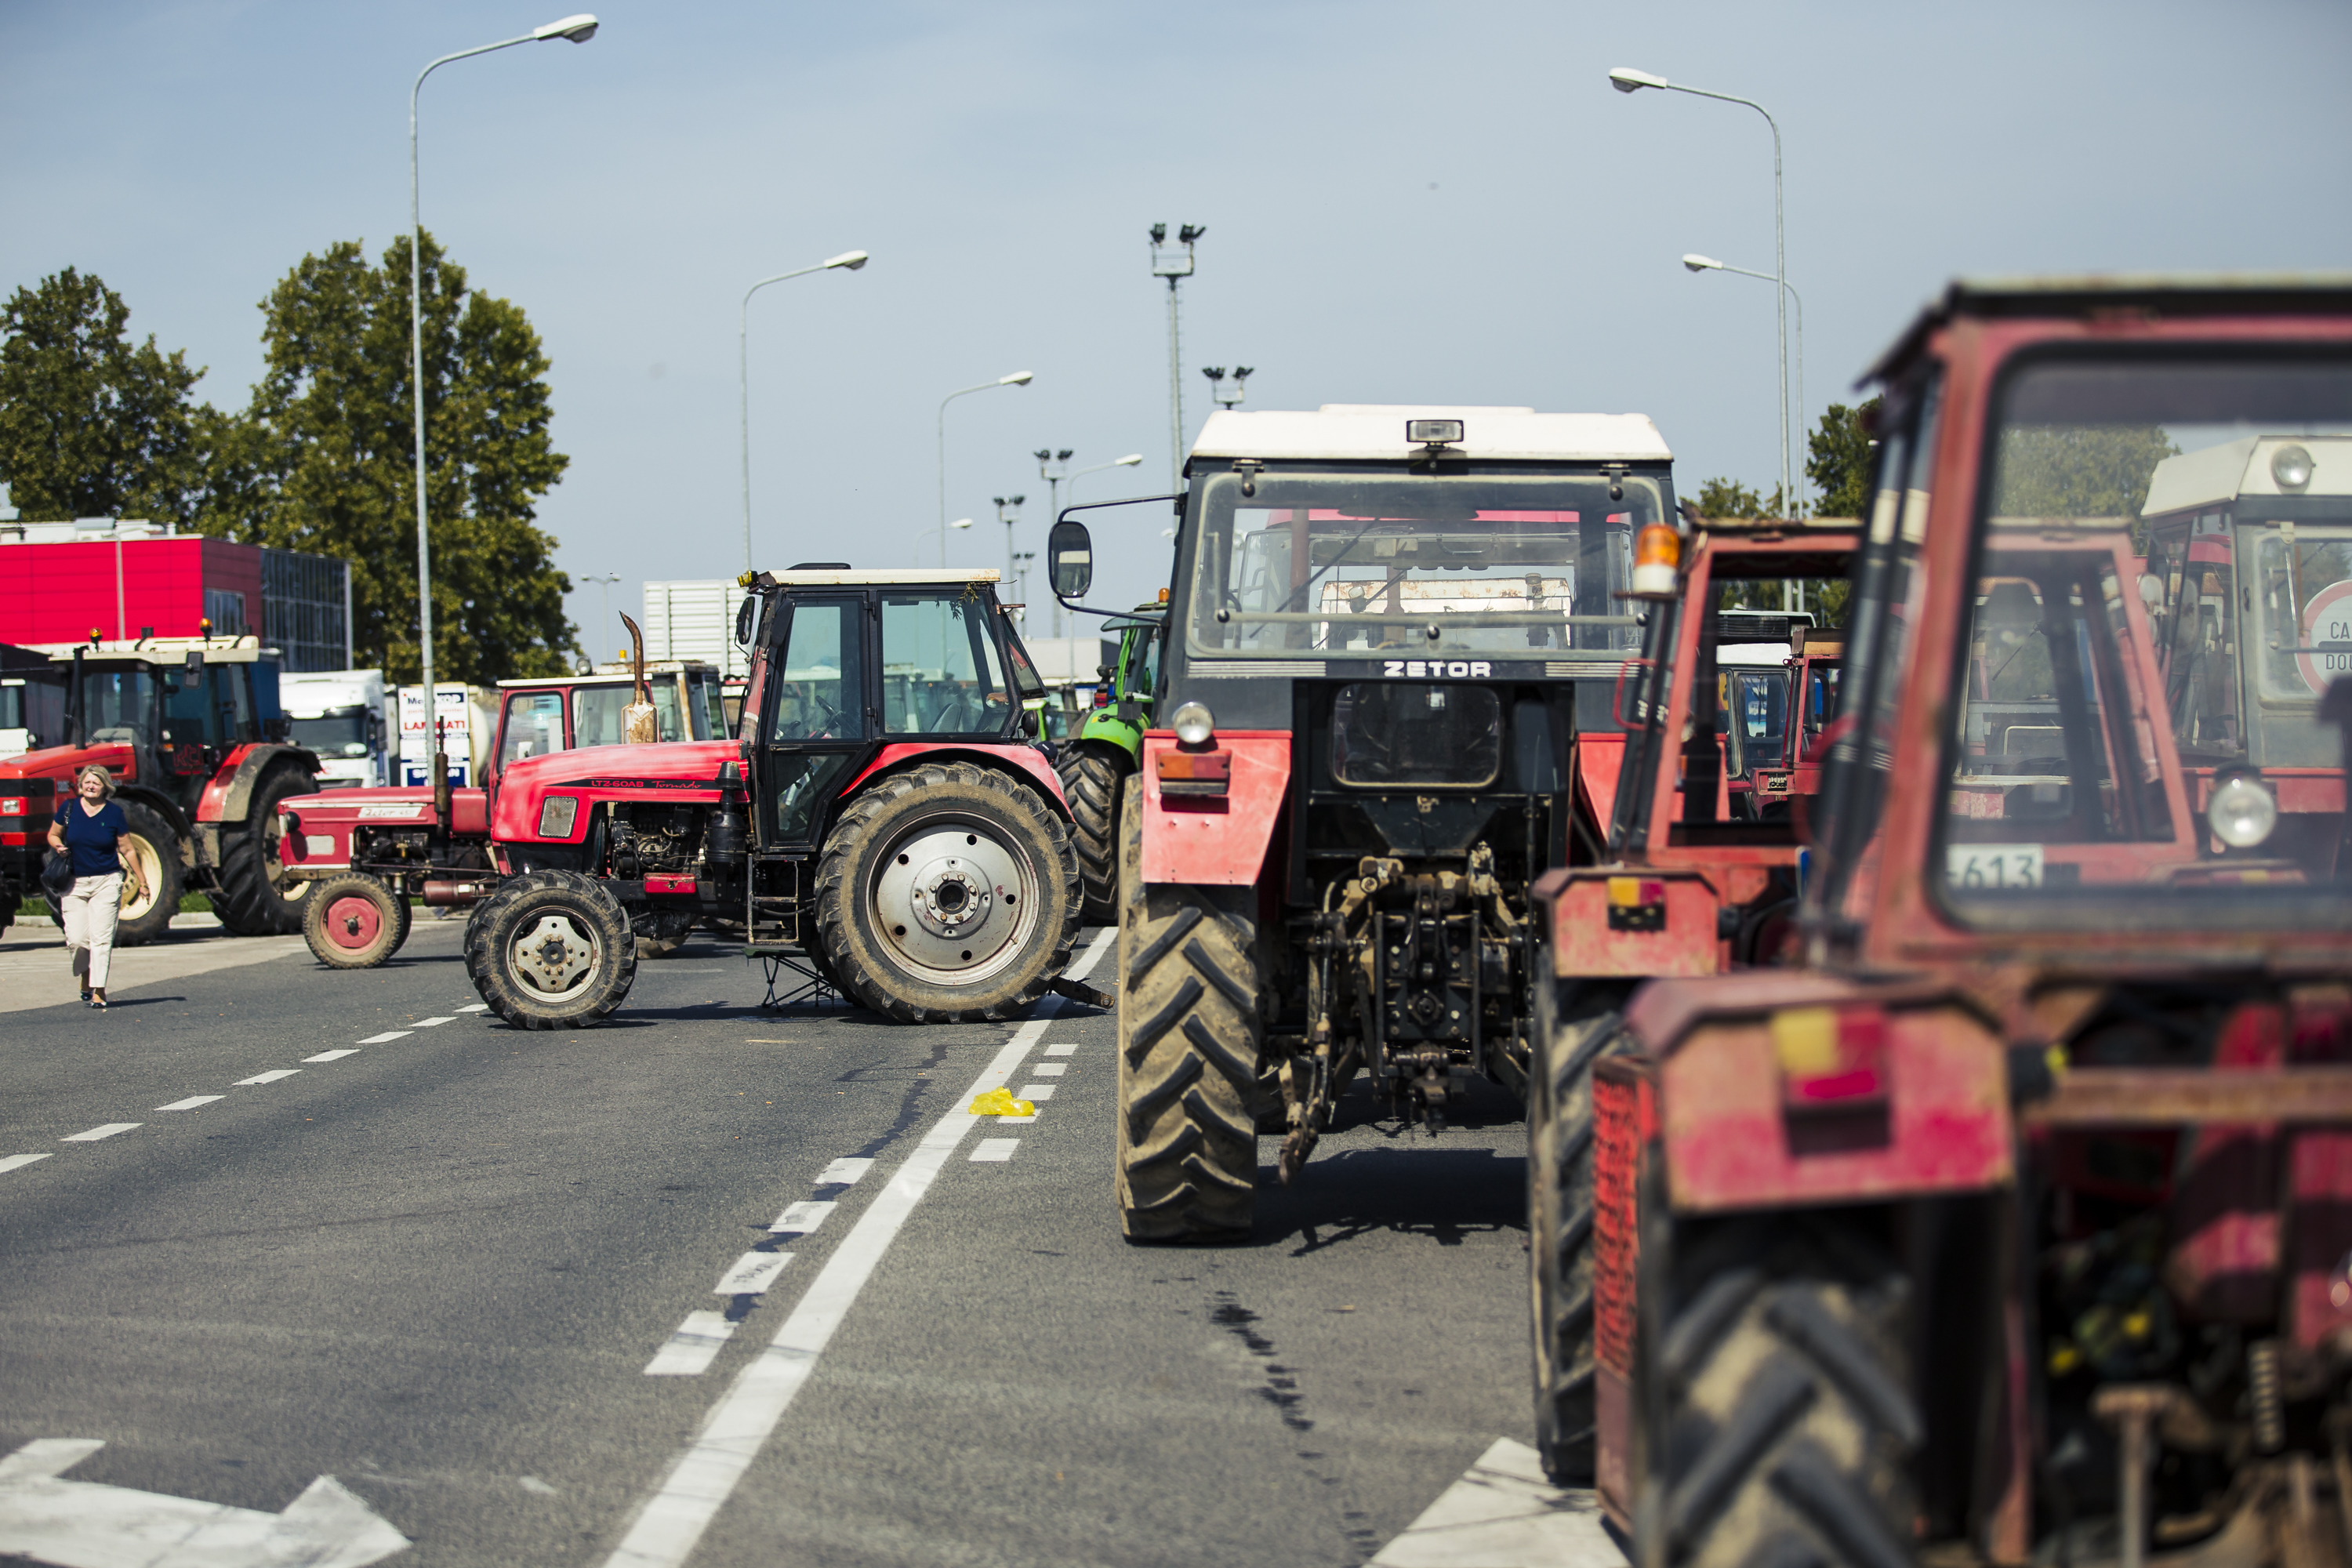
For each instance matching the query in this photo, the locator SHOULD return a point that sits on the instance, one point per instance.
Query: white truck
(344, 716)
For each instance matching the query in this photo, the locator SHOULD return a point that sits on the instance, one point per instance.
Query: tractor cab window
(941, 672)
(599, 713)
(704, 698)
(1756, 717)
(119, 708)
(533, 726)
(1143, 667)
(819, 683)
(1821, 708)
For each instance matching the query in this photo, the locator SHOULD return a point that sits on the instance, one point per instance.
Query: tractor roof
(879, 577)
(1361, 432)
(2216, 476)
(243, 649)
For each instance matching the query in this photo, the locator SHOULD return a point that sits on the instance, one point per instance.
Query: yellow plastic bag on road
(998, 1101)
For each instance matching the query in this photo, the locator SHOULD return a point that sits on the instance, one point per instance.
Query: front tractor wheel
(947, 893)
(155, 849)
(253, 895)
(354, 920)
(1190, 1043)
(551, 950)
(1092, 776)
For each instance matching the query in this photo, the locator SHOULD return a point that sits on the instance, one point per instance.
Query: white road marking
(534, 1485)
(1050, 1070)
(843, 1172)
(1502, 1513)
(1017, 1120)
(690, 1351)
(429, 1023)
(1060, 1048)
(995, 1150)
(333, 1056)
(800, 1218)
(95, 1133)
(1105, 940)
(475, 1007)
(386, 1038)
(673, 1519)
(191, 1102)
(753, 1272)
(18, 1161)
(1036, 1091)
(272, 1076)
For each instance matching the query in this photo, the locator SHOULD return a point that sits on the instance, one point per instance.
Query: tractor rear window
(598, 712)
(1393, 733)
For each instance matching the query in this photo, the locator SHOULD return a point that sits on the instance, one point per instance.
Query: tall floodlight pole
(1624, 78)
(578, 29)
(1708, 264)
(850, 261)
(1175, 262)
(1054, 468)
(1018, 378)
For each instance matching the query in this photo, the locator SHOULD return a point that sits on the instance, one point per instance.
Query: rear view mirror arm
(1129, 617)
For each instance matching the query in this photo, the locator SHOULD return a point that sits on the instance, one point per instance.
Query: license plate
(1993, 866)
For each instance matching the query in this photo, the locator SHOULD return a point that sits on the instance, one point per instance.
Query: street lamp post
(1708, 264)
(1008, 504)
(1624, 78)
(1131, 461)
(1054, 468)
(1018, 378)
(605, 592)
(1168, 262)
(578, 29)
(850, 261)
(962, 522)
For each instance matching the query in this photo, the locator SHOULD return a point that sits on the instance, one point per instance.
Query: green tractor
(1095, 762)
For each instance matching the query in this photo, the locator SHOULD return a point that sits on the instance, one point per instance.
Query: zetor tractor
(882, 818)
(2017, 1228)
(1096, 761)
(1385, 627)
(191, 731)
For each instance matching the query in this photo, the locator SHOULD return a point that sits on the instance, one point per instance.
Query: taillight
(15, 805)
(1830, 1058)
(1657, 557)
(1637, 903)
(1102, 696)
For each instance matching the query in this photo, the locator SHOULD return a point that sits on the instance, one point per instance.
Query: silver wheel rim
(953, 899)
(552, 958)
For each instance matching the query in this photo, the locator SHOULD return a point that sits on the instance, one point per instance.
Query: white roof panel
(1370, 432)
(884, 576)
(2216, 476)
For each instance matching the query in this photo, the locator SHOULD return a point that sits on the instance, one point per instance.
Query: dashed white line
(689, 1350)
(429, 1023)
(272, 1076)
(1060, 1048)
(1036, 1091)
(386, 1038)
(18, 1161)
(191, 1102)
(95, 1133)
(753, 1272)
(333, 1056)
(801, 1218)
(475, 1007)
(843, 1172)
(995, 1150)
(1050, 1070)
(664, 1533)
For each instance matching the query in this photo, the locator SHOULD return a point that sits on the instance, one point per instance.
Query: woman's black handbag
(57, 873)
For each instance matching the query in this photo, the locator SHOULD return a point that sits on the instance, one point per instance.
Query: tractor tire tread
(486, 935)
(1091, 775)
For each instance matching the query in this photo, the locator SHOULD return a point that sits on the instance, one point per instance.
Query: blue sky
(1403, 204)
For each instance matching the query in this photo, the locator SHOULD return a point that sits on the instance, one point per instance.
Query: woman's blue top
(90, 840)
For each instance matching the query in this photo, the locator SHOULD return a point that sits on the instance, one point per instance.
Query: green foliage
(1720, 497)
(2076, 471)
(91, 424)
(324, 461)
(1838, 460)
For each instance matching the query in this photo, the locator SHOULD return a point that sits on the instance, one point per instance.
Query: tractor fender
(162, 805)
(228, 797)
(1028, 761)
(1216, 840)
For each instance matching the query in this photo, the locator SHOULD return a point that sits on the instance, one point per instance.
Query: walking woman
(90, 827)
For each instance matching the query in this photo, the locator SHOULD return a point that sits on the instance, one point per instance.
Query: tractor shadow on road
(1444, 1195)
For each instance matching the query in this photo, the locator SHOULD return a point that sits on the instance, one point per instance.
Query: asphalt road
(454, 1266)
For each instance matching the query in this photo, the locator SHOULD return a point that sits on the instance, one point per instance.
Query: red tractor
(374, 849)
(882, 819)
(191, 731)
(2018, 1226)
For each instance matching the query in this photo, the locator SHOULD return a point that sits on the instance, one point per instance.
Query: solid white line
(1060, 1048)
(1050, 1070)
(673, 1518)
(95, 1133)
(1034, 1092)
(18, 1161)
(428, 1023)
(690, 1351)
(270, 1076)
(386, 1038)
(753, 1272)
(475, 1007)
(333, 1056)
(843, 1172)
(995, 1150)
(191, 1102)
(801, 1218)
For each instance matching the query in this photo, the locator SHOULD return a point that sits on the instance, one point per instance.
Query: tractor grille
(1616, 1225)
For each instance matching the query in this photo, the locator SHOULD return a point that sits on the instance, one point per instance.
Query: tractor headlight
(2242, 811)
(1193, 723)
(2290, 466)
(557, 815)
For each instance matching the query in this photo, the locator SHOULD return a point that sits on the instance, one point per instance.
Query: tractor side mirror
(1070, 556)
(747, 620)
(196, 675)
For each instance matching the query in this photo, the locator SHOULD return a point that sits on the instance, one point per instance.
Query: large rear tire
(148, 840)
(1791, 1415)
(1092, 778)
(253, 895)
(551, 950)
(354, 920)
(1559, 1253)
(1191, 1039)
(947, 893)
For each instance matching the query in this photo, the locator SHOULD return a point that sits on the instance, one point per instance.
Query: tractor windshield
(599, 713)
(1340, 564)
(337, 732)
(2139, 705)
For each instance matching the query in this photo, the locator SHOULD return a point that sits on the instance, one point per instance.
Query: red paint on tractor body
(1215, 840)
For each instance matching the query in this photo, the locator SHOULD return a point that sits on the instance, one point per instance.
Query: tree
(2077, 471)
(91, 424)
(325, 461)
(1838, 459)
(1728, 498)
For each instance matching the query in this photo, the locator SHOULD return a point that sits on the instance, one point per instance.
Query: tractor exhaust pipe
(638, 724)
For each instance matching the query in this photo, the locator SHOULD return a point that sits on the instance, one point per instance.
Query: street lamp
(1131, 461)
(1018, 378)
(604, 589)
(1054, 468)
(1168, 262)
(578, 29)
(1624, 78)
(942, 531)
(1709, 264)
(1216, 374)
(1012, 504)
(849, 260)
